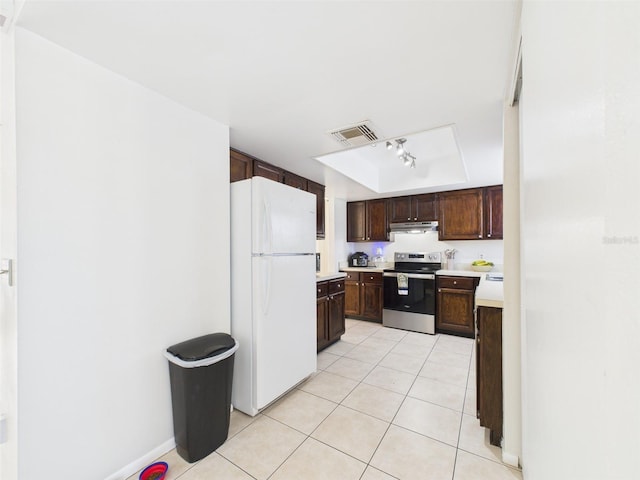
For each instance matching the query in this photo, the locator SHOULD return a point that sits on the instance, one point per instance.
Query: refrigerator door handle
(266, 285)
(269, 227)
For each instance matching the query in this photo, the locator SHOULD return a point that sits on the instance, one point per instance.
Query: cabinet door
(264, 169)
(489, 371)
(240, 166)
(493, 212)
(295, 181)
(336, 316)
(377, 224)
(322, 315)
(352, 298)
(455, 311)
(318, 191)
(356, 222)
(460, 215)
(424, 208)
(371, 296)
(400, 209)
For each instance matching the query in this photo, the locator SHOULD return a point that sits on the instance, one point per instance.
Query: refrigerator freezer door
(284, 324)
(283, 218)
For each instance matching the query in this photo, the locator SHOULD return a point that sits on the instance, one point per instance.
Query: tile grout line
(455, 460)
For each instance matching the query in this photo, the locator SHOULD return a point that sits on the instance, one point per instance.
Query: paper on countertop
(403, 284)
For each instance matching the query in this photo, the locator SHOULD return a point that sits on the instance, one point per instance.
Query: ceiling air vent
(355, 135)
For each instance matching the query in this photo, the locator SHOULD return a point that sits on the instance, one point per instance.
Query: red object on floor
(155, 471)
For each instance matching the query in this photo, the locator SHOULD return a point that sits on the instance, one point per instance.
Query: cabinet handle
(339, 285)
(368, 238)
(488, 235)
(479, 236)
(415, 218)
(328, 298)
(455, 282)
(371, 278)
(408, 218)
(363, 238)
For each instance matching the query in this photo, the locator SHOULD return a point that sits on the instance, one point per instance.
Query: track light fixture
(403, 154)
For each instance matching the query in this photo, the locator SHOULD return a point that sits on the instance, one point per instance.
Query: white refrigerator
(273, 295)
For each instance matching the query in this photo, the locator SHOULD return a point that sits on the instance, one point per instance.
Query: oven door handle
(422, 276)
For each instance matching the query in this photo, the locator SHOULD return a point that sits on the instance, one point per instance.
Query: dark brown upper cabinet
(264, 169)
(318, 191)
(493, 212)
(241, 166)
(295, 181)
(472, 214)
(415, 208)
(377, 222)
(460, 215)
(356, 221)
(367, 221)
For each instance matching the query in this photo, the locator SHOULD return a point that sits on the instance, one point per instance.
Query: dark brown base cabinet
(330, 312)
(364, 296)
(489, 371)
(454, 305)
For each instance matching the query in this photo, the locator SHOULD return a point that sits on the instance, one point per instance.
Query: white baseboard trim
(510, 459)
(148, 458)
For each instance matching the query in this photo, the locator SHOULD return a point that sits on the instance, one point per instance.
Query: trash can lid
(202, 347)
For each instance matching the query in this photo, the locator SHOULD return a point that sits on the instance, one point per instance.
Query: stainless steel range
(410, 292)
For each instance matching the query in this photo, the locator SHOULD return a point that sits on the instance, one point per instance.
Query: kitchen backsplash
(466, 250)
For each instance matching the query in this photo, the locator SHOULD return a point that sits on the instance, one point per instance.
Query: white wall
(8, 244)
(123, 221)
(581, 250)
(511, 332)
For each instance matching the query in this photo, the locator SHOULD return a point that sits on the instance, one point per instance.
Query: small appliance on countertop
(358, 259)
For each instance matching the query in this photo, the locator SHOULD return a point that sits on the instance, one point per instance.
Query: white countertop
(324, 276)
(362, 269)
(489, 293)
(460, 273)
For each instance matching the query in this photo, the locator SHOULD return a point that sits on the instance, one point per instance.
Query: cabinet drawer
(323, 289)
(352, 277)
(371, 278)
(336, 286)
(464, 283)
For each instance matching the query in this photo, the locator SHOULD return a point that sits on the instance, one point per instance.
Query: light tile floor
(384, 404)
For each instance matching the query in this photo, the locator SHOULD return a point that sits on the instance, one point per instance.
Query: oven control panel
(418, 257)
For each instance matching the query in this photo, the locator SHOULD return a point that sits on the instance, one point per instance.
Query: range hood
(413, 227)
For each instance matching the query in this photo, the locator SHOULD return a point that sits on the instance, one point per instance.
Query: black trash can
(201, 373)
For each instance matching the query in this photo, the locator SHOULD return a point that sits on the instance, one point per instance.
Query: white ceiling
(283, 73)
(438, 163)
